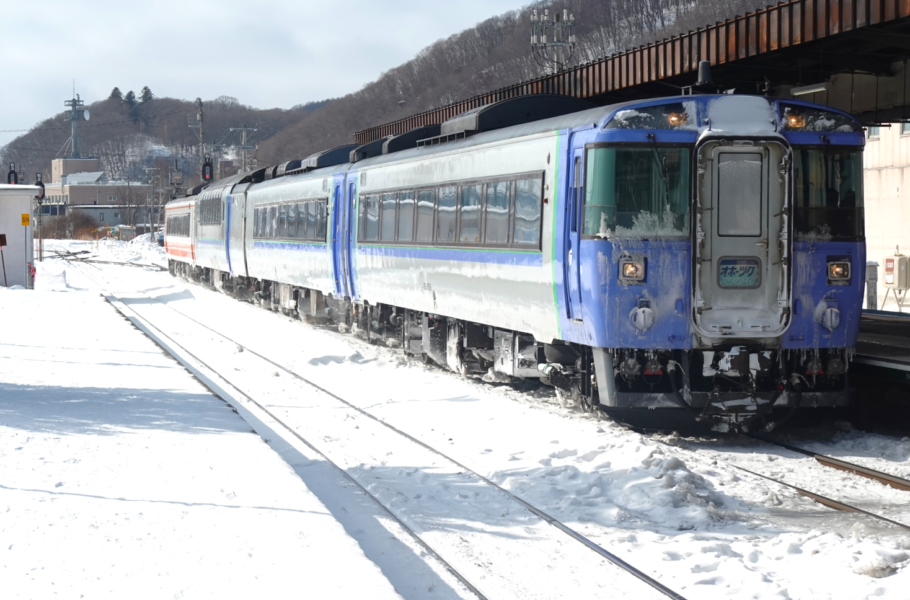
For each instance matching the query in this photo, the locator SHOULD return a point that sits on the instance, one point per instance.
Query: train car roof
(595, 117)
(592, 116)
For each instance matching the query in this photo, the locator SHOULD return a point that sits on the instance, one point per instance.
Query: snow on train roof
(753, 115)
(593, 116)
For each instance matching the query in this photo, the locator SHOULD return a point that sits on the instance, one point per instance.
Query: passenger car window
(497, 226)
(292, 220)
(469, 230)
(282, 221)
(320, 220)
(371, 218)
(446, 216)
(273, 222)
(406, 216)
(311, 220)
(425, 203)
(301, 221)
(527, 211)
(389, 219)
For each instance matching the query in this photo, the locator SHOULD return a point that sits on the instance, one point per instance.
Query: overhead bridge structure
(849, 54)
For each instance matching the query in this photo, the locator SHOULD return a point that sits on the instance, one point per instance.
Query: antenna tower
(76, 114)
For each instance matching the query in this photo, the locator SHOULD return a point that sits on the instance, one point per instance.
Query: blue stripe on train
(499, 257)
(278, 245)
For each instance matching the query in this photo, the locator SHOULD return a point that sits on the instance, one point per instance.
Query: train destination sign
(742, 273)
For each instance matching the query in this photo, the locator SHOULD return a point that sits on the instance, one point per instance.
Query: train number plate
(739, 273)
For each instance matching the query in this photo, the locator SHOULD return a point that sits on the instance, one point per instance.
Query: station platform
(883, 347)
(123, 477)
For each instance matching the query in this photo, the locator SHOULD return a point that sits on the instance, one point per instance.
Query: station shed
(16, 225)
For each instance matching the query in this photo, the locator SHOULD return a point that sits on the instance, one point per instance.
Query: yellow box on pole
(26, 220)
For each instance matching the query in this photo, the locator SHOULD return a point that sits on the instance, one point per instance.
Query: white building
(17, 256)
(887, 196)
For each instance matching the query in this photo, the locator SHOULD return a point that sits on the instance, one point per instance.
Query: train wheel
(585, 403)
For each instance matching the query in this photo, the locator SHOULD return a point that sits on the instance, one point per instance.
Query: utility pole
(200, 120)
(556, 34)
(39, 200)
(148, 201)
(243, 147)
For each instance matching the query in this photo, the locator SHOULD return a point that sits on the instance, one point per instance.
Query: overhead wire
(87, 124)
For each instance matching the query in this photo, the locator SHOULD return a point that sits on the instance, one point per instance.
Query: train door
(235, 234)
(192, 232)
(226, 225)
(350, 207)
(338, 236)
(572, 260)
(742, 245)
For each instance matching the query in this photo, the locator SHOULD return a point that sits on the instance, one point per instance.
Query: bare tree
(129, 201)
(113, 155)
(75, 224)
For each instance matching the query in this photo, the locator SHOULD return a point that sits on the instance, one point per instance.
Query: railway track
(210, 375)
(87, 259)
(843, 466)
(824, 500)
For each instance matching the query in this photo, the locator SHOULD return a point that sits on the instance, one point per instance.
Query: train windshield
(640, 192)
(828, 198)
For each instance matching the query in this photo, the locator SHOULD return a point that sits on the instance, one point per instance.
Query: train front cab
(179, 244)
(741, 306)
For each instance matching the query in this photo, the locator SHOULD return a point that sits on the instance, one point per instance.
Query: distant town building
(81, 184)
(67, 166)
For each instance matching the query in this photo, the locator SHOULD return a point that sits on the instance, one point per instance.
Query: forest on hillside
(129, 133)
(493, 54)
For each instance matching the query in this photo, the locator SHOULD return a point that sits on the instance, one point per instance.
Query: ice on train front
(776, 227)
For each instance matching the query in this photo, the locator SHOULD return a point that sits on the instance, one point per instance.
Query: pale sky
(267, 55)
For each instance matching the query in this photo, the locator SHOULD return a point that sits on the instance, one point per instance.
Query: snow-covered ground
(122, 477)
(674, 508)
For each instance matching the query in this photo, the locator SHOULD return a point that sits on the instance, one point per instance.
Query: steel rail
(842, 465)
(824, 500)
(645, 578)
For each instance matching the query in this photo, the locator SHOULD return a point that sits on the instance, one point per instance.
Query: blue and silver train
(696, 257)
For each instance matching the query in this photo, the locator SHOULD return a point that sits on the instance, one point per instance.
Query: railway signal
(40, 195)
(207, 169)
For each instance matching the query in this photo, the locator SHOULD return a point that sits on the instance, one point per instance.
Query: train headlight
(838, 272)
(632, 270)
(795, 121)
(676, 119)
